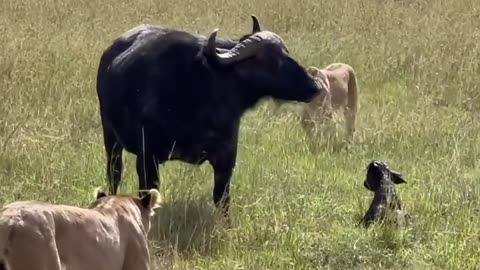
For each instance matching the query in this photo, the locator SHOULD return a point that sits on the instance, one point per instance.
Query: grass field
(417, 64)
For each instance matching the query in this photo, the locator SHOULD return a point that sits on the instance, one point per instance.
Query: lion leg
(325, 113)
(307, 121)
(34, 250)
(318, 115)
(137, 257)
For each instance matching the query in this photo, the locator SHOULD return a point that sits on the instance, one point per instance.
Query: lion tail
(352, 100)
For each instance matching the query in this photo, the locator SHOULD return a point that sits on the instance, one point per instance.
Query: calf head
(261, 63)
(378, 172)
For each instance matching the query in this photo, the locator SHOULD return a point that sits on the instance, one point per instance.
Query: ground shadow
(187, 227)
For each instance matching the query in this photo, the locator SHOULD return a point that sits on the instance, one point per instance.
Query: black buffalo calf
(386, 203)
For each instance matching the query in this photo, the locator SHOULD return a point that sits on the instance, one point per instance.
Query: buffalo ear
(397, 178)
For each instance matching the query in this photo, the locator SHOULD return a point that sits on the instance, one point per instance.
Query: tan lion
(340, 82)
(110, 235)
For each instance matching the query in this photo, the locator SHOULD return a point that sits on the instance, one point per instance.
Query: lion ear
(152, 199)
(99, 193)
(313, 71)
(322, 76)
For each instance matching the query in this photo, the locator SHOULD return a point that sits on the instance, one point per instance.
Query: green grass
(417, 64)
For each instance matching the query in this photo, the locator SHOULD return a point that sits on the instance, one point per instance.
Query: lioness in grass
(341, 93)
(109, 235)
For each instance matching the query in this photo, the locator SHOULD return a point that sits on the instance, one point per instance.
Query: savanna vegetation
(417, 63)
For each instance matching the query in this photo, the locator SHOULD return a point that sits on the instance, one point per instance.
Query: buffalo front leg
(223, 166)
(148, 173)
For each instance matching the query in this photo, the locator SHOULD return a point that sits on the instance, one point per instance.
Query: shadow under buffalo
(187, 227)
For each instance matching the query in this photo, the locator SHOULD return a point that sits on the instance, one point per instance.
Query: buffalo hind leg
(114, 160)
(148, 173)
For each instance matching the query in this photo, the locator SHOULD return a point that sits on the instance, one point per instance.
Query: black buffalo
(167, 94)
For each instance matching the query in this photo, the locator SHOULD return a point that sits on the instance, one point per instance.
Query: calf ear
(397, 178)
(365, 185)
(152, 199)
